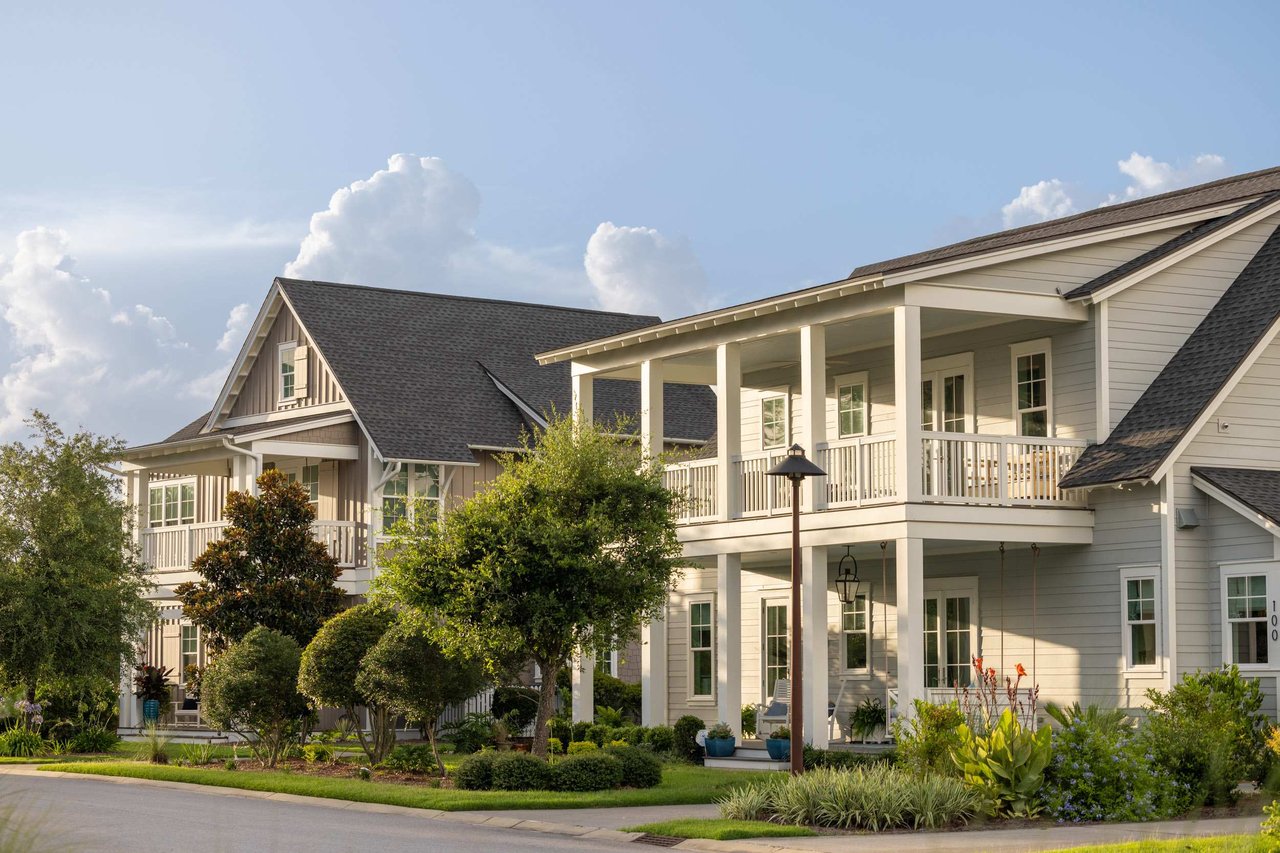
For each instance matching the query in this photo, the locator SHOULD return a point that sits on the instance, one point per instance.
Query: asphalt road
(91, 815)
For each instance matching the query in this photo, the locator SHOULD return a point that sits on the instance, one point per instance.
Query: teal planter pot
(151, 711)
(779, 748)
(720, 747)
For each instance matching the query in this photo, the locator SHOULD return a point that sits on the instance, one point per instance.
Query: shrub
(581, 747)
(578, 731)
(686, 731)
(633, 735)
(317, 753)
(926, 740)
(1006, 765)
(720, 731)
(519, 771)
(875, 798)
(610, 692)
(587, 772)
(475, 773)
(610, 717)
(1099, 770)
(639, 768)
(661, 739)
(562, 729)
(93, 740)
(554, 746)
(1208, 734)
(229, 764)
(252, 687)
(748, 720)
(21, 742)
(1271, 826)
(835, 758)
(599, 734)
(517, 705)
(472, 733)
(416, 758)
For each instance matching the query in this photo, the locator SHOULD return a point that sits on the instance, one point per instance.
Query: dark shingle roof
(1257, 489)
(1186, 238)
(1187, 384)
(1226, 190)
(416, 366)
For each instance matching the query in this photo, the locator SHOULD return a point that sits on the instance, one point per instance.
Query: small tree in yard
(71, 583)
(573, 544)
(266, 570)
(331, 663)
(407, 670)
(252, 690)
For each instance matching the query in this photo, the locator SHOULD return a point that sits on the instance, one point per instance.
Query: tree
(573, 544)
(408, 670)
(331, 663)
(252, 690)
(267, 569)
(71, 583)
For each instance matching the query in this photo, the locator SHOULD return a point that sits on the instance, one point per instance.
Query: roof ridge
(486, 299)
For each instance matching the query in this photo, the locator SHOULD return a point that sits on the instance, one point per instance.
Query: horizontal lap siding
(260, 392)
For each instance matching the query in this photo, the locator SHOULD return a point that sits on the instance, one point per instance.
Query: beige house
(375, 400)
(1057, 446)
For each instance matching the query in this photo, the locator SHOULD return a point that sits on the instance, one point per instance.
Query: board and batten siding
(259, 394)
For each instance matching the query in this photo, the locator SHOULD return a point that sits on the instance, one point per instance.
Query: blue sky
(178, 152)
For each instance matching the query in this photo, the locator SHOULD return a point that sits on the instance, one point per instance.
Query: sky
(160, 163)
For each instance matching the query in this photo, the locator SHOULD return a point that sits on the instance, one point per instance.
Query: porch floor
(751, 755)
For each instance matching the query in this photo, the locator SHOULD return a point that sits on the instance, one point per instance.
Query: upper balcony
(173, 548)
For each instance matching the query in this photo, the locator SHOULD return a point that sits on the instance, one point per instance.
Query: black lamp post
(796, 468)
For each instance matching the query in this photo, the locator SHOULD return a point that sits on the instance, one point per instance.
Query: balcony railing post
(1002, 465)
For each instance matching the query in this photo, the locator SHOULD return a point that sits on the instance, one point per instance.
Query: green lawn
(720, 829)
(681, 785)
(1210, 844)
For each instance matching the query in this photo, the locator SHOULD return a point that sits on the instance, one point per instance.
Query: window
(414, 485)
(1031, 388)
(288, 371)
(946, 393)
(851, 405)
(856, 627)
(777, 649)
(1141, 629)
(311, 482)
(172, 503)
(701, 654)
(950, 632)
(1247, 619)
(190, 650)
(773, 422)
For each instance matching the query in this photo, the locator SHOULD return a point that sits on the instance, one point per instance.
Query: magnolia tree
(573, 544)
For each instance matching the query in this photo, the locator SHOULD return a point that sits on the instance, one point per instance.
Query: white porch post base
(653, 673)
(813, 565)
(729, 639)
(583, 676)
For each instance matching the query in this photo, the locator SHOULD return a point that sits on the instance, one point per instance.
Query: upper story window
(293, 372)
(172, 503)
(415, 484)
(851, 405)
(1140, 590)
(701, 651)
(856, 628)
(1032, 388)
(773, 422)
(1247, 626)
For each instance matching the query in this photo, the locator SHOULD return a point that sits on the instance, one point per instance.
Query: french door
(946, 405)
(950, 634)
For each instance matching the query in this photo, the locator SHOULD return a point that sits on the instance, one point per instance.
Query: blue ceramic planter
(150, 711)
(779, 748)
(720, 747)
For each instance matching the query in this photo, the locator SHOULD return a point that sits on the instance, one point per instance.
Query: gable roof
(1257, 489)
(1236, 188)
(418, 368)
(1170, 406)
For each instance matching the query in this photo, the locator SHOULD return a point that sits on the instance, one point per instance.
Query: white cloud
(1037, 203)
(640, 271)
(1151, 177)
(237, 324)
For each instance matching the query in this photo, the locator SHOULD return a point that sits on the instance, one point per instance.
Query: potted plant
(151, 684)
(866, 718)
(778, 743)
(720, 741)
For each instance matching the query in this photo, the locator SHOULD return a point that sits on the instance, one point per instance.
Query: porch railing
(859, 470)
(695, 481)
(995, 469)
(760, 494)
(167, 548)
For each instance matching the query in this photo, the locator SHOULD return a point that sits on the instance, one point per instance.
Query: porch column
(583, 680)
(728, 426)
(909, 563)
(813, 409)
(583, 397)
(813, 620)
(653, 672)
(906, 402)
(651, 426)
(729, 639)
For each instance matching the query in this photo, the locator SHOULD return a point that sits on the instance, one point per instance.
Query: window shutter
(300, 372)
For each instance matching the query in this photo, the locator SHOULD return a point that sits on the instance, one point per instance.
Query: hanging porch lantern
(847, 581)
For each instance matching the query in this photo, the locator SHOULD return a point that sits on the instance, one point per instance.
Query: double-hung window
(856, 629)
(1247, 627)
(1140, 590)
(851, 405)
(773, 422)
(416, 488)
(288, 371)
(702, 676)
(190, 649)
(172, 504)
(1032, 388)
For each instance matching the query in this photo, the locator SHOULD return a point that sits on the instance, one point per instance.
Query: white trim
(289, 415)
(1234, 504)
(1102, 372)
(1270, 569)
(161, 484)
(1140, 572)
(785, 396)
(709, 599)
(313, 450)
(858, 673)
(1028, 348)
(844, 380)
(252, 342)
(1169, 577)
(520, 404)
(784, 601)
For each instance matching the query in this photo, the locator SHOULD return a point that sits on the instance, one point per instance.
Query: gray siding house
(1055, 447)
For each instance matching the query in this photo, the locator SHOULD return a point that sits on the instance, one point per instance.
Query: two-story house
(1056, 446)
(377, 401)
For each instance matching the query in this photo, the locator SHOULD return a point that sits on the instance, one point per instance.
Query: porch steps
(750, 755)
(181, 736)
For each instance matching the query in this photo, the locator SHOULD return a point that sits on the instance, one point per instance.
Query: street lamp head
(795, 466)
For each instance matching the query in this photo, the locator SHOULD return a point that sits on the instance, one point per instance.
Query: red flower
(991, 673)
(977, 664)
(1022, 673)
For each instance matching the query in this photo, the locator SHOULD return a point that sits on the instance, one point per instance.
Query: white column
(813, 566)
(909, 563)
(653, 672)
(728, 426)
(729, 639)
(583, 678)
(583, 397)
(906, 401)
(651, 426)
(813, 408)
(1169, 577)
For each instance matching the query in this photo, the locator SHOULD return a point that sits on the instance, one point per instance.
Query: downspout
(257, 462)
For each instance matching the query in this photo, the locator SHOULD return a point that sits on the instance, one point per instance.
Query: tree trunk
(546, 707)
(365, 744)
(435, 748)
